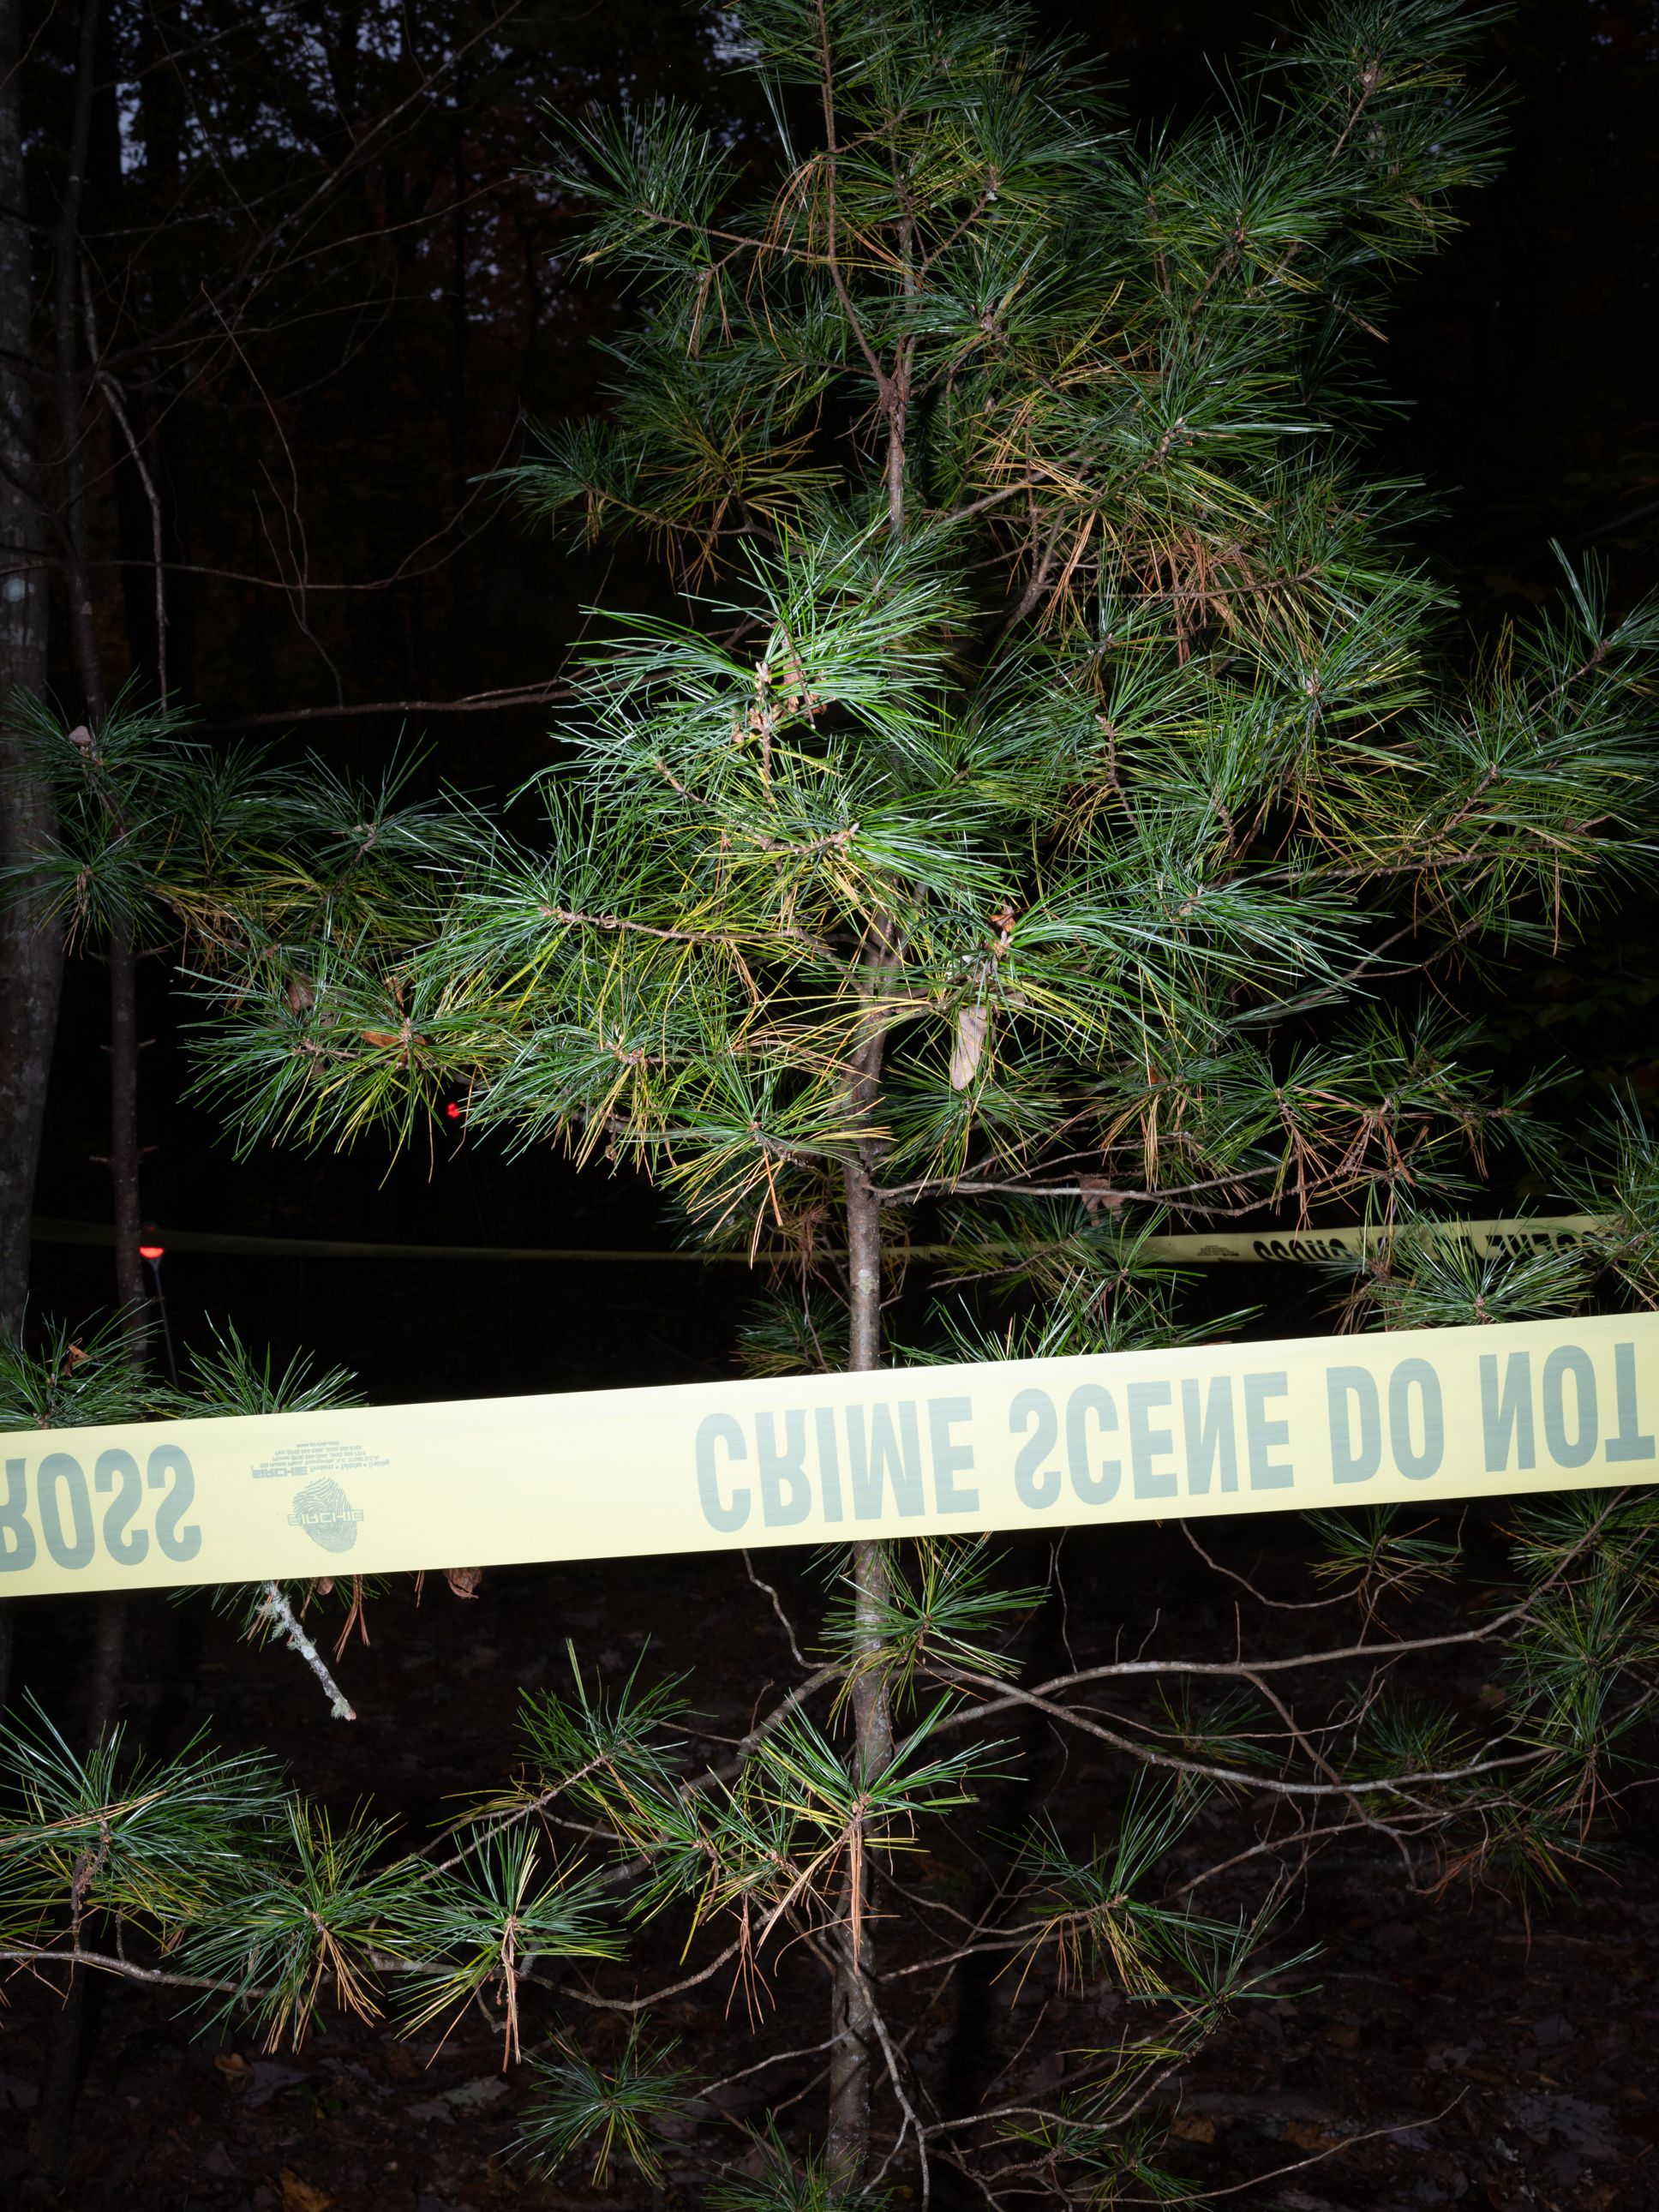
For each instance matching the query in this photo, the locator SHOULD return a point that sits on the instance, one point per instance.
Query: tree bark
(60, 2089)
(31, 955)
(856, 2055)
(89, 673)
(83, 631)
(121, 953)
(30, 952)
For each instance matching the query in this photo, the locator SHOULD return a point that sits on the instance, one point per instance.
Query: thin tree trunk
(31, 953)
(83, 633)
(124, 1117)
(31, 956)
(110, 1632)
(856, 2055)
(89, 672)
(162, 103)
(60, 2089)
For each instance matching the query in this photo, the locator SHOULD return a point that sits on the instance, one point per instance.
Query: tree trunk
(31, 957)
(77, 574)
(89, 672)
(856, 2057)
(124, 1118)
(60, 2089)
(163, 125)
(103, 1695)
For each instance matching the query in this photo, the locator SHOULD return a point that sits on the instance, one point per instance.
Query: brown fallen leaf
(233, 2068)
(464, 1581)
(1343, 2033)
(1596, 2196)
(1308, 2135)
(298, 2196)
(1192, 2127)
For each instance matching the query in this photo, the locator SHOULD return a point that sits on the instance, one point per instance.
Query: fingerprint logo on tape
(327, 1515)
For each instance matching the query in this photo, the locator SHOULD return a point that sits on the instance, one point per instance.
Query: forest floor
(1438, 2050)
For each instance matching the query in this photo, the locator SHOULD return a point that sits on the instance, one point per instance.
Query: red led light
(151, 1251)
(452, 1111)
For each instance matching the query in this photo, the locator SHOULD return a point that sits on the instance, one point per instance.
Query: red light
(151, 1251)
(452, 1111)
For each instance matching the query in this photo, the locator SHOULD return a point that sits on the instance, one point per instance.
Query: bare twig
(275, 1607)
(784, 1621)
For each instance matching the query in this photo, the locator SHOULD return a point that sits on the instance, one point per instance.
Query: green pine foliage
(778, 2183)
(602, 2111)
(1066, 765)
(1062, 800)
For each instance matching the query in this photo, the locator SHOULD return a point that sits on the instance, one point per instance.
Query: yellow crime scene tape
(1544, 1232)
(1016, 1446)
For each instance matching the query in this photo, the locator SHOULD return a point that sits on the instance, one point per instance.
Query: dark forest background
(328, 299)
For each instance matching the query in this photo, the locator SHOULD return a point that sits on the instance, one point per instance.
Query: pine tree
(1065, 802)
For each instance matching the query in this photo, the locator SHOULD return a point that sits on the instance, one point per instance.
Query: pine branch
(275, 1609)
